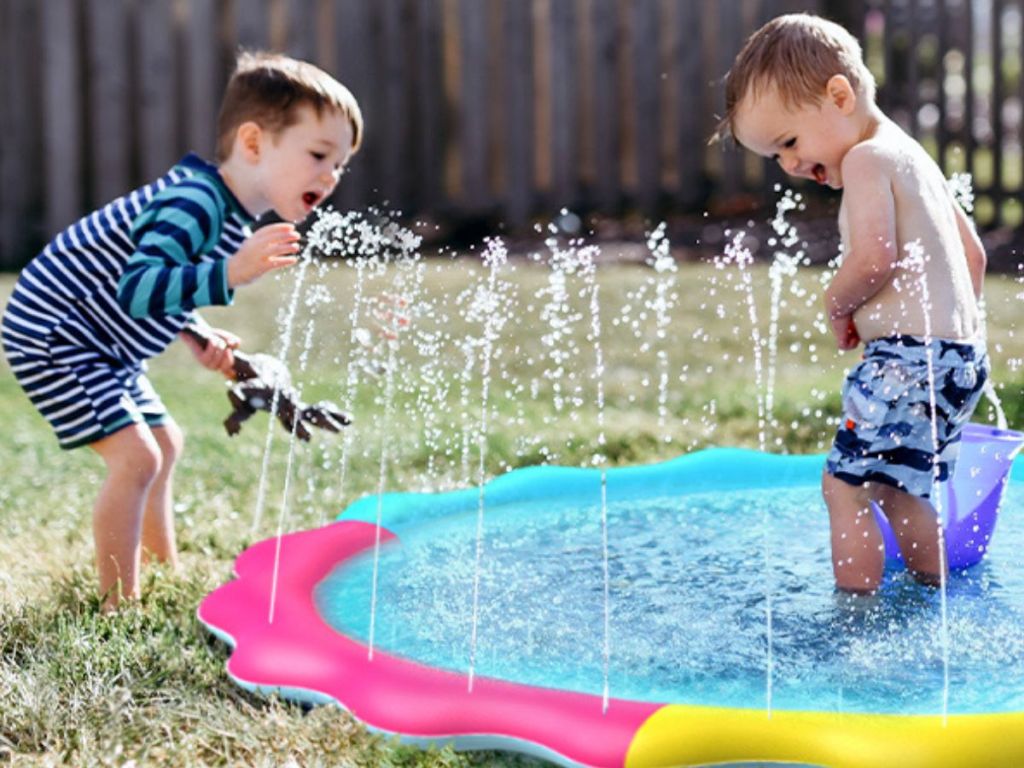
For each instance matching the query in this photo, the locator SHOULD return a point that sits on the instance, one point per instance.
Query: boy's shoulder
(890, 151)
(873, 155)
(191, 196)
(193, 177)
(192, 192)
(196, 187)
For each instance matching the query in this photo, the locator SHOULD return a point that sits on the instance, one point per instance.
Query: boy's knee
(143, 460)
(171, 440)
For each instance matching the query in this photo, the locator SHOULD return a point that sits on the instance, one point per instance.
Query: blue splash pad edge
(704, 471)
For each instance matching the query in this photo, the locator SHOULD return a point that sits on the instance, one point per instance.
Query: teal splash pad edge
(708, 470)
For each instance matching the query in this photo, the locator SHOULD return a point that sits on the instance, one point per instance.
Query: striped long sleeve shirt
(123, 281)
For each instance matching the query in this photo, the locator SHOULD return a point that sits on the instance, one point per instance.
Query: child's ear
(841, 93)
(248, 140)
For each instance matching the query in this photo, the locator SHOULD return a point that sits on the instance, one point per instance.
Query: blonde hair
(797, 54)
(269, 88)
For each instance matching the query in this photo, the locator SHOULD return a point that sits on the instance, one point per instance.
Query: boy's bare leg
(132, 457)
(158, 541)
(916, 525)
(858, 556)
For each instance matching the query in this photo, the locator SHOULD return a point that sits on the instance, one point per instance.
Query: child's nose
(790, 164)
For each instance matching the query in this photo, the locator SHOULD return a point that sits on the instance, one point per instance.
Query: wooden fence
(475, 109)
(950, 73)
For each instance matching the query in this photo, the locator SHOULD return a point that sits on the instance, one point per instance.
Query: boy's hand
(268, 248)
(217, 356)
(845, 331)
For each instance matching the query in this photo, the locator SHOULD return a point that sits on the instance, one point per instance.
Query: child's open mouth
(310, 198)
(820, 174)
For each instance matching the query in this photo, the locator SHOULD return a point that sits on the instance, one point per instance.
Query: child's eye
(788, 144)
(318, 155)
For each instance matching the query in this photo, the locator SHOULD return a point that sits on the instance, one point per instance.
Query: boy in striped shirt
(117, 287)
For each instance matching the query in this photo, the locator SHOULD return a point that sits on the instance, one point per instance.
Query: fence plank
(541, 98)
(968, 30)
(19, 160)
(203, 76)
(9, 187)
(300, 29)
(156, 103)
(1018, 154)
(252, 24)
(913, 89)
(517, 81)
(996, 108)
(942, 132)
(690, 89)
(110, 117)
(355, 68)
(643, 35)
(886, 97)
(62, 110)
(473, 103)
(564, 79)
(605, 117)
(728, 39)
(395, 129)
(427, 118)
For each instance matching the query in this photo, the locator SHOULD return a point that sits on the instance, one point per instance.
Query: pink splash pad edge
(304, 658)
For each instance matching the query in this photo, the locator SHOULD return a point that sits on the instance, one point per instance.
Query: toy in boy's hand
(256, 379)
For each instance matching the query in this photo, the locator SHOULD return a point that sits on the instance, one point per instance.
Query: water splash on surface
(785, 261)
(487, 310)
(662, 304)
(738, 256)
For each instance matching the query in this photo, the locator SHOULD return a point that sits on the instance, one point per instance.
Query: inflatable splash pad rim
(323, 665)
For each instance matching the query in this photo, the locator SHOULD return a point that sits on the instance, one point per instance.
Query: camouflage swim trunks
(886, 431)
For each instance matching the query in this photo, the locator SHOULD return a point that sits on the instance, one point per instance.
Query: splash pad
(713, 710)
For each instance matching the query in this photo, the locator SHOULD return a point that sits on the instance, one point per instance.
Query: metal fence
(495, 109)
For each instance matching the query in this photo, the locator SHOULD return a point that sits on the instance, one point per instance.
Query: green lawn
(148, 684)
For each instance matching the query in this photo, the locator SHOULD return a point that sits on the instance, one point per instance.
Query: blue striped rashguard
(113, 290)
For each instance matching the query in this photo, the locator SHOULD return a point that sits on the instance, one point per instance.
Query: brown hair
(797, 54)
(269, 88)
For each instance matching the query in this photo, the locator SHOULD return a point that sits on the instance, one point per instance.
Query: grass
(147, 684)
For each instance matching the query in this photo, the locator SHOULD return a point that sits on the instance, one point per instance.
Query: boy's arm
(871, 251)
(164, 276)
(973, 249)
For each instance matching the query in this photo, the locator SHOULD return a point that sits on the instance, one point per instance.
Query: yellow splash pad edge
(678, 735)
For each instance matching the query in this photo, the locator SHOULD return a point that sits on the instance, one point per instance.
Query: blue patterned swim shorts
(886, 432)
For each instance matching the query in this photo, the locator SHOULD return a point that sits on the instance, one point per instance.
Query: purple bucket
(970, 498)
